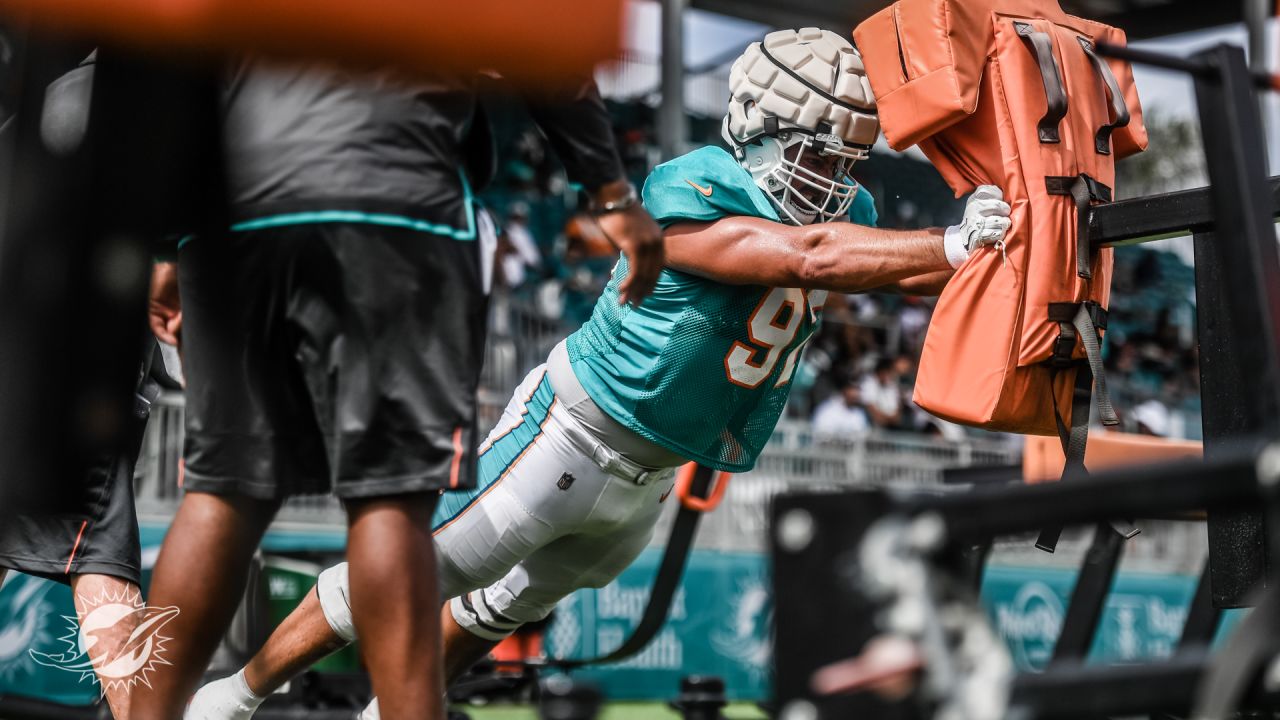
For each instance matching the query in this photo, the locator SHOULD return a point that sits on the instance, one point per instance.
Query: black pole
(1089, 596)
(1238, 308)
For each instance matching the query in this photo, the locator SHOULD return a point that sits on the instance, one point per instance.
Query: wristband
(626, 202)
(955, 246)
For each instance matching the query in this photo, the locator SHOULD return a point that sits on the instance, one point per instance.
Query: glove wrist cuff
(953, 243)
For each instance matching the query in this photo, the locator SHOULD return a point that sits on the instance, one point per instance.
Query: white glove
(985, 222)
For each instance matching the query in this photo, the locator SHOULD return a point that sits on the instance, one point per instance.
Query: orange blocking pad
(1010, 93)
(525, 41)
(1042, 458)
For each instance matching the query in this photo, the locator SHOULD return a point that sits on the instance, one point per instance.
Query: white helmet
(803, 87)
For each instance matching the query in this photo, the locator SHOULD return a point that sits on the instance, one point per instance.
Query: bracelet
(626, 202)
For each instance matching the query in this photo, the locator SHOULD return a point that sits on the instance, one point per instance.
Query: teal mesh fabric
(684, 369)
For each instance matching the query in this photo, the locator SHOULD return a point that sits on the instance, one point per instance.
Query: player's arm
(927, 285)
(842, 257)
(833, 256)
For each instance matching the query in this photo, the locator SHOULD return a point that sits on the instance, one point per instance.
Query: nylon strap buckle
(1084, 190)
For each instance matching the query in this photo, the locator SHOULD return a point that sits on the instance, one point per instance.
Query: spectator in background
(842, 415)
(882, 394)
(1151, 418)
(913, 322)
(517, 251)
(587, 259)
(904, 367)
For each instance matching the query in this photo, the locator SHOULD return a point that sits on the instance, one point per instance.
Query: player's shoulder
(703, 185)
(862, 211)
(709, 160)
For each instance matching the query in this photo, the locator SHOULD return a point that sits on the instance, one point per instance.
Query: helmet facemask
(804, 173)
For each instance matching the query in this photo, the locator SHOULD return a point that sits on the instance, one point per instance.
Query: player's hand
(164, 307)
(634, 232)
(985, 222)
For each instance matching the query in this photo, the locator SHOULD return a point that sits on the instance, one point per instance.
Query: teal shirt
(701, 368)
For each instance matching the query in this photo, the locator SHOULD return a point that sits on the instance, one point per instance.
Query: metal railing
(794, 460)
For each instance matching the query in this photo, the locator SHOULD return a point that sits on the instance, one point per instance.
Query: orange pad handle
(684, 481)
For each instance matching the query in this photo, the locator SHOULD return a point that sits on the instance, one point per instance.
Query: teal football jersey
(701, 368)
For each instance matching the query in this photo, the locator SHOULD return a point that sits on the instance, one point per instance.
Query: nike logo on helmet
(706, 191)
(665, 494)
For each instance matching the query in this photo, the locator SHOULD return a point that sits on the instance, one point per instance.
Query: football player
(573, 477)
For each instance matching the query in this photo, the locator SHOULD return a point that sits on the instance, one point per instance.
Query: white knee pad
(475, 614)
(334, 592)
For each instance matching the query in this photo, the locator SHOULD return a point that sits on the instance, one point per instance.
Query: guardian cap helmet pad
(797, 96)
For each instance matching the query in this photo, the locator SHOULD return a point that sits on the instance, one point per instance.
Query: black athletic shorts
(93, 531)
(330, 357)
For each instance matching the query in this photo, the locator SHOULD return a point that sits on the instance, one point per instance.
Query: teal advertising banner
(722, 616)
(719, 625)
(1142, 620)
(33, 621)
(37, 618)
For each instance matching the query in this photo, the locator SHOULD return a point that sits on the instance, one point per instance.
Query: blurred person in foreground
(574, 476)
(88, 539)
(332, 341)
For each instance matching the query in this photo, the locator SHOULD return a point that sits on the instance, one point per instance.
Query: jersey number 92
(772, 330)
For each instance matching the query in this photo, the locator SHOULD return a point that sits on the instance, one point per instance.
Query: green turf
(612, 711)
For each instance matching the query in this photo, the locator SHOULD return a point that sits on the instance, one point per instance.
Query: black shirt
(315, 142)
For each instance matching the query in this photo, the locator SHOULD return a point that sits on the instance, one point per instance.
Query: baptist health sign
(718, 625)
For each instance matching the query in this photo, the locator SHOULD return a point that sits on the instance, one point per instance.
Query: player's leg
(201, 573)
(393, 582)
(480, 534)
(477, 621)
(397, 395)
(88, 591)
(611, 534)
(462, 649)
(324, 621)
(302, 639)
(502, 527)
(91, 543)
